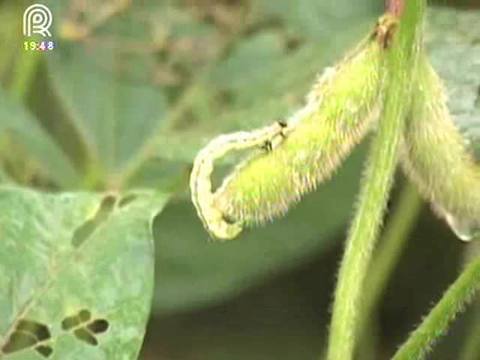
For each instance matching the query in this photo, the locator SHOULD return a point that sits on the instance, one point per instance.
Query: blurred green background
(135, 88)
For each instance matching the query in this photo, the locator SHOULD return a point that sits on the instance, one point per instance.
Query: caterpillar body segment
(213, 219)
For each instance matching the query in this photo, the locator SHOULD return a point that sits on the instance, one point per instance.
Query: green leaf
(196, 272)
(113, 113)
(116, 123)
(76, 274)
(226, 81)
(454, 46)
(18, 124)
(10, 37)
(316, 20)
(259, 82)
(4, 178)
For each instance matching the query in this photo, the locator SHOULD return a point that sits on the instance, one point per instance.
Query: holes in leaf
(84, 315)
(127, 199)
(44, 350)
(86, 336)
(28, 334)
(84, 329)
(38, 330)
(83, 232)
(98, 326)
(19, 340)
(71, 322)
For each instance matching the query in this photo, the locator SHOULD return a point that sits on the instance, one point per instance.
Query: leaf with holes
(76, 274)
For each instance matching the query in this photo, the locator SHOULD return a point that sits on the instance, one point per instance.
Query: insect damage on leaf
(84, 328)
(82, 233)
(340, 109)
(28, 334)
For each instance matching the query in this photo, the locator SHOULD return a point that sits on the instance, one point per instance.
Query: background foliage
(135, 88)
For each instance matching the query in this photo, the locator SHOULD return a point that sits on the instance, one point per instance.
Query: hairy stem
(400, 63)
(387, 257)
(460, 293)
(471, 348)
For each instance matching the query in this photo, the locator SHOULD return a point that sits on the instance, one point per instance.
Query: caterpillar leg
(278, 137)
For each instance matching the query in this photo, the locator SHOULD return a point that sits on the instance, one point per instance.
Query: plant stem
(471, 349)
(471, 346)
(436, 323)
(400, 63)
(388, 255)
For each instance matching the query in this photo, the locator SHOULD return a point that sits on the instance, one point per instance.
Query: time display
(39, 45)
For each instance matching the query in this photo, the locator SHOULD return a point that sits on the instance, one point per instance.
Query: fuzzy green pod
(341, 108)
(436, 158)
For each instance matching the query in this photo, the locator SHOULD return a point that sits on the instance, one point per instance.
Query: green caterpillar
(436, 159)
